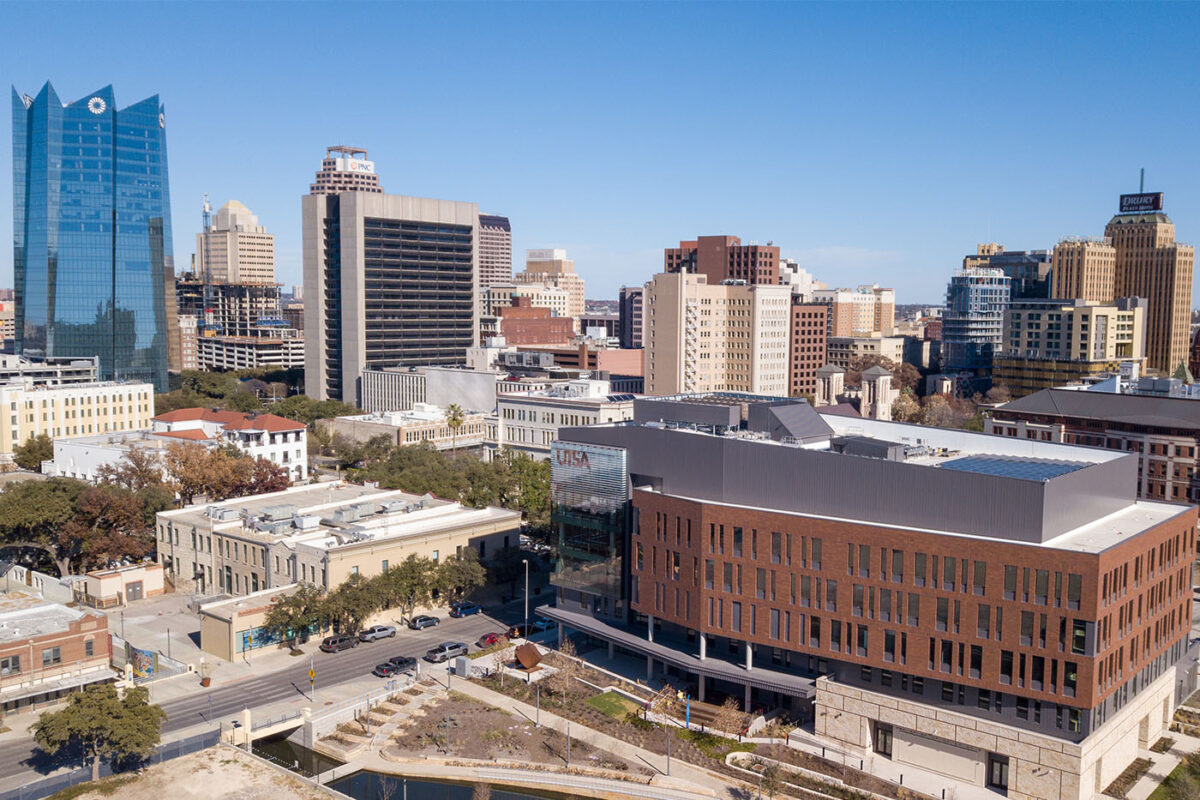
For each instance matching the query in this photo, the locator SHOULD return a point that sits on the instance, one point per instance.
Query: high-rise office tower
(235, 248)
(724, 258)
(346, 169)
(92, 252)
(495, 250)
(973, 322)
(716, 337)
(1151, 264)
(1083, 269)
(632, 312)
(553, 268)
(389, 281)
(1028, 271)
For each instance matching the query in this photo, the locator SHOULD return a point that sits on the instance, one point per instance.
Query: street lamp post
(525, 561)
(537, 720)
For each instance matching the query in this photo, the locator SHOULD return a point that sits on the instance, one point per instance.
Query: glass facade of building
(92, 254)
(589, 508)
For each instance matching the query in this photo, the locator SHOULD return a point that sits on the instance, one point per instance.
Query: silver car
(446, 651)
(376, 632)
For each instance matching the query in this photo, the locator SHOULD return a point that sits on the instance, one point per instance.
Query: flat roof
(25, 616)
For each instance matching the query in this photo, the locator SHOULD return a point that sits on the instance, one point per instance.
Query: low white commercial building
(278, 440)
(424, 423)
(529, 421)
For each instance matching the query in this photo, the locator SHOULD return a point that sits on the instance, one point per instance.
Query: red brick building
(807, 348)
(724, 258)
(522, 323)
(1005, 612)
(48, 650)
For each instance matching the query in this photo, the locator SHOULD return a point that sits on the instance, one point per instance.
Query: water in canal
(373, 786)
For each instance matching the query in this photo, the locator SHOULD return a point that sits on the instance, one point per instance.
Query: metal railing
(266, 723)
(56, 783)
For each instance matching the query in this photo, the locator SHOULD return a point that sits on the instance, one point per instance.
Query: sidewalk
(1163, 764)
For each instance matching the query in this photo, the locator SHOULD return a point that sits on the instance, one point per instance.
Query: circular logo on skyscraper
(97, 105)
(162, 120)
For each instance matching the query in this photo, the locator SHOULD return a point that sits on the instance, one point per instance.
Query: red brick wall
(660, 517)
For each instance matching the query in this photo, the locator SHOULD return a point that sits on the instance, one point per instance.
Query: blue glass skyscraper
(92, 248)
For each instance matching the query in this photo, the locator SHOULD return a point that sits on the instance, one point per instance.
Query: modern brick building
(724, 258)
(1002, 611)
(523, 323)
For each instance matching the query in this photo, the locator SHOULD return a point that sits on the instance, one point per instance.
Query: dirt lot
(478, 731)
(218, 773)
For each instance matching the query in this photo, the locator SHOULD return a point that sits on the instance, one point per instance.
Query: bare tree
(729, 718)
(482, 791)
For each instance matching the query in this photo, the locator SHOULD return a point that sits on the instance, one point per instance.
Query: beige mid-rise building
(235, 248)
(711, 338)
(1083, 269)
(1151, 264)
(1076, 331)
(503, 295)
(553, 268)
(862, 311)
(66, 412)
(495, 250)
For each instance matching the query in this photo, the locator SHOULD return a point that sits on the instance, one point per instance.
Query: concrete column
(611, 650)
(649, 668)
(246, 727)
(749, 656)
(650, 628)
(560, 634)
(746, 706)
(700, 691)
(703, 647)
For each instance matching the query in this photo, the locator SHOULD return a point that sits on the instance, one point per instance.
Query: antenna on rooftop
(1142, 182)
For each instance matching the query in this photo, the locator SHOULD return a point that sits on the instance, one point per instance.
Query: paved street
(335, 671)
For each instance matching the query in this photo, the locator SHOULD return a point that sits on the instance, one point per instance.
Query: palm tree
(455, 419)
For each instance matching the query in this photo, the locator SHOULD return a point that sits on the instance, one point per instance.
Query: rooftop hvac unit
(390, 506)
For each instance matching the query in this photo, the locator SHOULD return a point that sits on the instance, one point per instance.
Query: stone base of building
(964, 747)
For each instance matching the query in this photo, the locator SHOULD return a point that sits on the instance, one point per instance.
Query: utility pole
(525, 561)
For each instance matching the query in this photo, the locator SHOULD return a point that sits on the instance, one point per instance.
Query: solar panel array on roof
(1026, 469)
(620, 398)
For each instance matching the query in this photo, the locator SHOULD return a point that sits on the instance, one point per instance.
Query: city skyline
(880, 147)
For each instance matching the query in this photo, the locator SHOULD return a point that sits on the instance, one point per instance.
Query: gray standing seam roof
(1160, 412)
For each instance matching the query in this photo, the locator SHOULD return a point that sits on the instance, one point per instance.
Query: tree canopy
(219, 473)
(33, 451)
(98, 724)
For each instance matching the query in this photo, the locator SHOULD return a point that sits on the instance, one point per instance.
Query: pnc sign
(573, 458)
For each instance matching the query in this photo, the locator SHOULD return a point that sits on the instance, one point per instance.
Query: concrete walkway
(1163, 764)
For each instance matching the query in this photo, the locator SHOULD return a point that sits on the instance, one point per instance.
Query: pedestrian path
(1164, 763)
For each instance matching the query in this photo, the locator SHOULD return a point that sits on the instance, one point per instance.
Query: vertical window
(1078, 636)
(805, 591)
(1041, 588)
(776, 547)
(1006, 667)
(1070, 675)
(979, 577)
(897, 566)
(943, 612)
(914, 609)
(862, 640)
(983, 622)
(856, 607)
(708, 570)
(919, 569)
(760, 583)
(1074, 591)
(976, 661)
(816, 553)
(1010, 582)
(814, 631)
(889, 645)
(831, 596)
(735, 616)
(864, 561)
(737, 542)
(1026, 628)
(949, 565)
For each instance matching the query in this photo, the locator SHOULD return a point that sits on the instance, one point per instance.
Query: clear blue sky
(873, 142)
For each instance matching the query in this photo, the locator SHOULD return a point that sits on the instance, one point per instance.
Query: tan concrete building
(843, 350)
(503, 295)
(319, 534)
(495, 250)
(1083, 269)
(529, 421)
(862, 311)
(235, 248)
(1076, 330)
(701, 337)
(1151, 264)
(66, 412)
(553, 268)
(423, 423)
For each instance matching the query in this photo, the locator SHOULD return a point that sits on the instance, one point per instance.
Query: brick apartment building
(807, 350)
(724, 258)
(1164, 433)
(1004, 612)
(523, 323)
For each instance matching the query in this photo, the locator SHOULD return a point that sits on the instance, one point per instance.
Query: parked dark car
(520, 631)
(464, 609)
(446, 651)
(402, 663)
(385, 670)
(423, 621)
(334, 644)
(489, 639)
(376, 632)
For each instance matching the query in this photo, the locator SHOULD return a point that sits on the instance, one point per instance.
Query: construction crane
(208, 327)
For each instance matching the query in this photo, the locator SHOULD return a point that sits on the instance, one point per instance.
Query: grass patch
(1183, 783)
(714, 746)
(105, 787)
(487, 651)
(613, 704)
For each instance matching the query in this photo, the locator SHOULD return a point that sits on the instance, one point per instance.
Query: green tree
(99, 724)
(33, 452)
(295, 614)
(454, 420)
(351, 603)
(408, 584)
(307, 410)
(459, 575)
(34, 516)
(906, 408)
